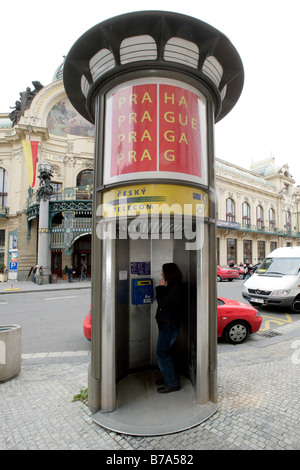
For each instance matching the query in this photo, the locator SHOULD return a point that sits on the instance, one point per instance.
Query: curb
(27, 291)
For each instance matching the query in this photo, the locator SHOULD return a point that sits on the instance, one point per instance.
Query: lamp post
(44, 193)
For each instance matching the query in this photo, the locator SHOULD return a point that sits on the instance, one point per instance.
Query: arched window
(4, 181)
(272, 222)
(84, 178)
(259, 216)
(246, 213)
(230, 210)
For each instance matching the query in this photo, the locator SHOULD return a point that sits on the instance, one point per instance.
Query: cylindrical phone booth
(154, 84)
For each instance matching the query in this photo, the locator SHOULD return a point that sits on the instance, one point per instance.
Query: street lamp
(45, 166)
(45, 189)
(44, 193)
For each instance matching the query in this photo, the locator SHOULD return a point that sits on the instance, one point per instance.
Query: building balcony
(70, 215)
(78, 199)
(64, 234)
(224, 224)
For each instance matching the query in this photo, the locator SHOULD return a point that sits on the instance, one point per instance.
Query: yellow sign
(154, 199)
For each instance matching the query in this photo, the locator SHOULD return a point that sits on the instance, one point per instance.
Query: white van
(276, 282)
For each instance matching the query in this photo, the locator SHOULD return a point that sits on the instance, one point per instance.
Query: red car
(226, 273)
(87, 324)
(235, 321)
(240, 270)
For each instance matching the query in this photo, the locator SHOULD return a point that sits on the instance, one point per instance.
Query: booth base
(142, 411)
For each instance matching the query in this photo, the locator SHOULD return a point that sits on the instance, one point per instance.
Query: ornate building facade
(257, 209)
(66, 140)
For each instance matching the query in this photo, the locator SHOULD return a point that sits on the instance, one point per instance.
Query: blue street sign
(13, 266)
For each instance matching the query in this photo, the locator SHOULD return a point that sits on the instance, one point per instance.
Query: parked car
(240, 270)
(276, 281)
(87, 324)
(235, 321)
(226, 273)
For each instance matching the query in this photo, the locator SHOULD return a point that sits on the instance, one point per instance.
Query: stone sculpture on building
(26, 98)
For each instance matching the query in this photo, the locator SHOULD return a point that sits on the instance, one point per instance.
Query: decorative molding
(45, 94)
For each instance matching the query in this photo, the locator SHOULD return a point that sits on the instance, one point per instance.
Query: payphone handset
(141, 291)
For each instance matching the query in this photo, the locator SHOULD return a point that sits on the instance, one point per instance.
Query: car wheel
(219, 279)
(296, 305)
(236, 332)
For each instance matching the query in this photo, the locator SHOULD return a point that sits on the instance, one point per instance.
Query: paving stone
(258, 406)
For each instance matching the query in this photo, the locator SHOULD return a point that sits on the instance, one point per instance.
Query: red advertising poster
(134, 130)
(179, 131)
(155, 127)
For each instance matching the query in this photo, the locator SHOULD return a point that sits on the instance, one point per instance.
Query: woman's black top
(170, 302)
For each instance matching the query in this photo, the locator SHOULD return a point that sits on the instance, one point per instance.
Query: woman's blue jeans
(167, 335)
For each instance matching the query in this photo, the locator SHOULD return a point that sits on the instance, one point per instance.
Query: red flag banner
(30, 148)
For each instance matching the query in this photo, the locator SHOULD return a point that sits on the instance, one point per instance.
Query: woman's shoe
(168, 390)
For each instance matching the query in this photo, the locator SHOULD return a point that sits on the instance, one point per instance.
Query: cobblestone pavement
(259, 406)
(258, 399)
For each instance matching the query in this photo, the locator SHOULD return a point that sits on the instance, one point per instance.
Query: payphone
(153, 84)
(141, 291)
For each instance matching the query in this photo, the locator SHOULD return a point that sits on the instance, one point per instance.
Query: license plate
(258, 301)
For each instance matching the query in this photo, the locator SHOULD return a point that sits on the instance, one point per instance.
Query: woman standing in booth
(169, 296)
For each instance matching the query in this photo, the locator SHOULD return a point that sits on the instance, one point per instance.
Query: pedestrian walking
(83, 272)
(247, 272)
(34, 273)
(70, 274)
(41, 275)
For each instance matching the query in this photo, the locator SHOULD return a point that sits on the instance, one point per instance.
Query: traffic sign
(13, 266)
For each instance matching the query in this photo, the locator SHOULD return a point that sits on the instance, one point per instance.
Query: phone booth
(154, 84)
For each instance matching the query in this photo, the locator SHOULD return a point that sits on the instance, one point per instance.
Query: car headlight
(281, 292)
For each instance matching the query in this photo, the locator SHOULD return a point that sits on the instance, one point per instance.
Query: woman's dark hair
(172, 273)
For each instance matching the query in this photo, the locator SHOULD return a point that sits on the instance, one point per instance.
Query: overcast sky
(265, 121)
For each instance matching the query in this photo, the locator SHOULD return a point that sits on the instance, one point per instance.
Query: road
(50, 321)
(272, 318)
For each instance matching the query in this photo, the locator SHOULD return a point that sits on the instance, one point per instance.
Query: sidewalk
(15, 287)
(258, 400)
